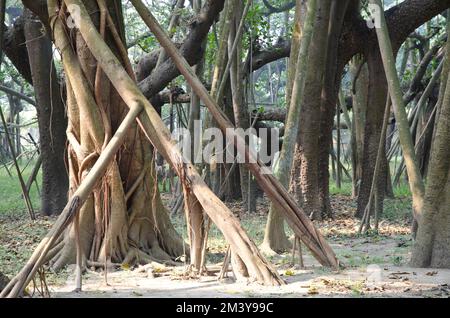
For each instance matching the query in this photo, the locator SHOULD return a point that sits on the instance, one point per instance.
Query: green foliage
(258, 25)
(148, 44)
(402, 191)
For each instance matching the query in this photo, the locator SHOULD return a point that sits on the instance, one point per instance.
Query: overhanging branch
(191, 49)
(17, 94)
(284, 7)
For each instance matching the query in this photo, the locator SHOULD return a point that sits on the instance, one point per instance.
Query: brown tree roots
(275, 239)
(140, 234)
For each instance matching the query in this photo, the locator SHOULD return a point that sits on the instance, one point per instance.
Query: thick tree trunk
(159, 135)
(309, 130)
(432, 245)
(377, 92)
(51, 115)
(275, 238)
(330, 92)
(124, 220)
(431, 248)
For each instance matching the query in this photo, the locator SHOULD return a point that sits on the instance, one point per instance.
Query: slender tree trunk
(360, 95)
(218, 73)
(195, 112)
(374, 198)
(241, 114)
(415, 179)
(300, 15)
(432, 245)
(173, 23)
(18, 144)
(273, 240)
(193, 210)
(338, 147)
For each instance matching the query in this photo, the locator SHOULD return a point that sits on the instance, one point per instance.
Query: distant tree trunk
(18, 144)
(241, 114)
(338, 148)
(329, 93)
(51, 115)
(195, 112)
(213, 170)
(424, 135)
(232, 185)
(389, 192)
(14, 112)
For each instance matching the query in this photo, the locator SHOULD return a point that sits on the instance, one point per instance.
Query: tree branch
(15, 48)
(17, 94)
(407, 16)
(280, 50)
(402, 19)
(191, 49)
(284, 7)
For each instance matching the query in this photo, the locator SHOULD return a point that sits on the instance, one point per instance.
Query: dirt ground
(373, 280)
(308, 282)
(375, 265)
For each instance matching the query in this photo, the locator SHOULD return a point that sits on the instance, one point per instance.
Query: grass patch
(402, 191)
(358, 259)
(397, 260)
(164, 185)
(11, 202)
(397, 209)
(345, 189)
